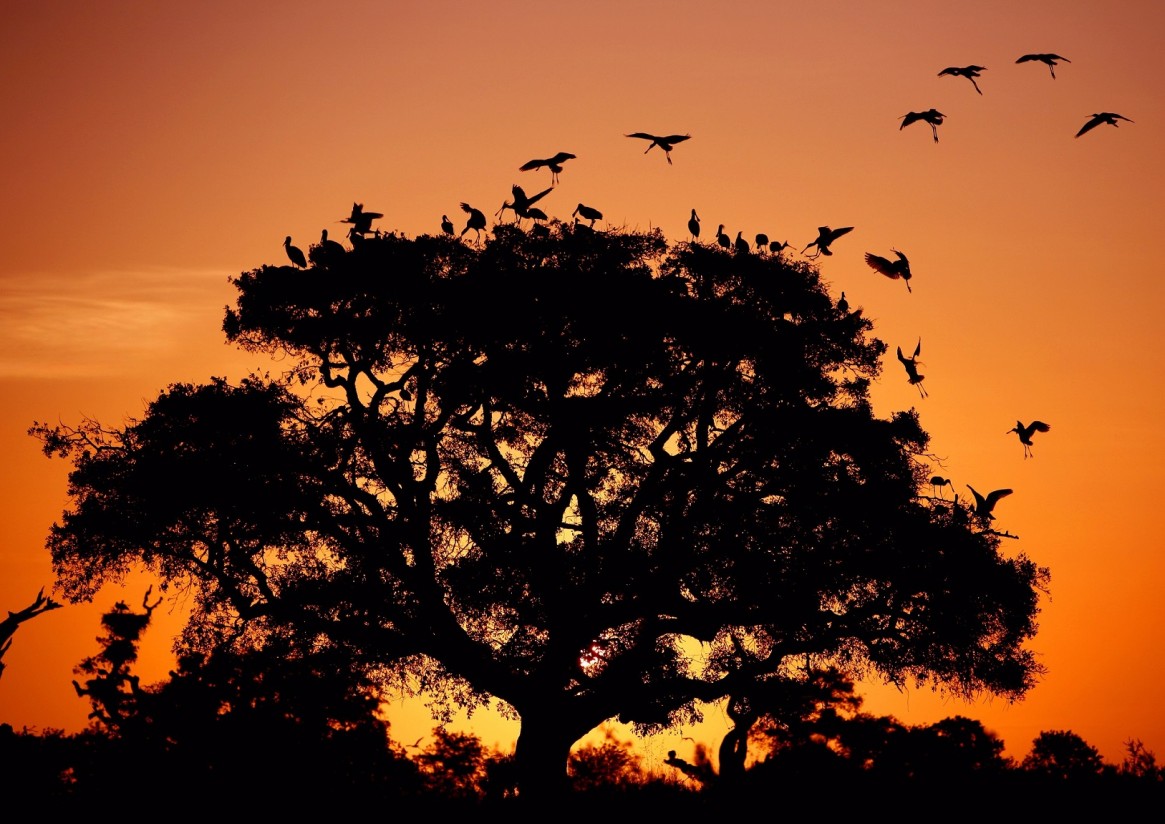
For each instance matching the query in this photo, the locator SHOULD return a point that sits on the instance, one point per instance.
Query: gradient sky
(150, 151)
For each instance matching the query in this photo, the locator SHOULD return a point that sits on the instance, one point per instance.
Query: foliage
(586, 473)
(1063, 755)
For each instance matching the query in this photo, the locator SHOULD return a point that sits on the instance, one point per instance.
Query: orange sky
(150, 151)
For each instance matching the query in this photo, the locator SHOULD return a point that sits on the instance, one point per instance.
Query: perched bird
(932, 116)
(1048, 59)
(588, 213)
(534, 213)
(762, 242)
(911, 366)
(325, 252)
(1110, 118)
(776, 246)
(361, 220)
(722, 238)
(894, 269)
(446, 225)
(294, 253)
(740, 244)
(842, 303)
(984, 506)
(476, 220)
(552, 163)
(1025, 434)
(666, 143)
(825, 237)
(938, 482)
(521, 203)
(694, 225)
(969, 72)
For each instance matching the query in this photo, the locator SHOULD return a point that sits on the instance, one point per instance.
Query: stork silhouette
(476, 220)
(1025, 434)
(825, 238)
(740, 245)
(588, 213)
(694, 225)
(552, 163)
(326, 252)
(938, 482)
(932, 116)
(722, 238)
(893, 269)
(521, 203)
(777, 246)
(911, 366)
(446, 225)
(842, 304)
(985, 505)
(1110, 118)
(969, 72)
(361, 220)
(294, 253)
(667, 142)
(1049, 60)
(762, 242)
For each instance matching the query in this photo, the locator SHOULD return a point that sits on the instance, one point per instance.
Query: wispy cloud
(104, 324)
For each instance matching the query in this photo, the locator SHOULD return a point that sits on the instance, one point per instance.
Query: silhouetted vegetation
(588, 473)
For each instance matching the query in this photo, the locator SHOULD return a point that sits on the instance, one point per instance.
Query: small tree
(1063, 755)
(587, 473)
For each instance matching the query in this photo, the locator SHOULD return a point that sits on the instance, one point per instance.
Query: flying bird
(587, 213)
(1025, 434)
(522, 202)
(1110, 118)
(932, 116)
(552, 163)
(969, 72)
(894, 269)
(294, 253)
(446, 225)
(825, 237)
(911, 366)
(985, 505)
(476, 220)
(667, 143)
(361, 220)
(1048, 59)
(694, 225)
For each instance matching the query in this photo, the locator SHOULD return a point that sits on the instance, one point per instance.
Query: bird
(1048, 59)
(521, 203)
(740, 244)
(969, 72)
(1110, 118)
(762, 241)
(361, 220)
(722, 238)
(894, 269)
(552, 163)
(694, 225)
(667, 143)
(825, 237)
(534, 213)
(446, 225)
(911, 366)
(1025, 434)
(326, 251)
(777, 246)
(938, 482)
(985, 505)
(476, 220)
(842, 303)
(587, 213)
(932, 116)
(294, 253)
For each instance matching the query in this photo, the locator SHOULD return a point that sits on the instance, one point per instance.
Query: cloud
(107, 324)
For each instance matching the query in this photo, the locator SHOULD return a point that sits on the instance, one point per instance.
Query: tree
(1063, 755)
(590, 474)
(8, 626)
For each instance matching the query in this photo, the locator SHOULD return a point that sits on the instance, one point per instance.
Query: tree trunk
(542, 753)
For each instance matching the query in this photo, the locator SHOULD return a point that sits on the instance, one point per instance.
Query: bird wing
(908, 118)
(902, 358)
(949, 70)
(465, 207)
(1039, 426)
(675, 138)
(562, 156)
(532, 164)
(918, 349)
(643, 135)
(532, 200)
(1025, 58)
(1090, 125)
(836, 233)
(993, 497)
(881, 264)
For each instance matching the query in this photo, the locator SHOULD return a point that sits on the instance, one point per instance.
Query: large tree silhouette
(591, 474)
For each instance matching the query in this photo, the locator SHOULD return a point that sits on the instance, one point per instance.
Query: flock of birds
(523, 207)
(934, 118)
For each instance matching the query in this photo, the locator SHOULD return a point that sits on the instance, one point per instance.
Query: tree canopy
(591, 474)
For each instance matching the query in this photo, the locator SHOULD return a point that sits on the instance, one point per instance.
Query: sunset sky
(150, 151)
